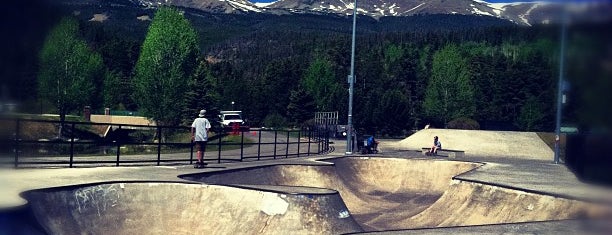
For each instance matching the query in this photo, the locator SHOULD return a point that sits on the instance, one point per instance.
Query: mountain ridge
(522, 13)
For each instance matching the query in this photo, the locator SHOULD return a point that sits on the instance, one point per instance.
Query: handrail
(75, 149)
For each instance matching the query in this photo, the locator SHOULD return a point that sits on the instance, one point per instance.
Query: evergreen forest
(448, 71)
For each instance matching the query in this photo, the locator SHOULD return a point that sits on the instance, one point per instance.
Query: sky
(492, 1)
(496, 1)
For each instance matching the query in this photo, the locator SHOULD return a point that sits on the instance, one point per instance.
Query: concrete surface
(409, 193)
(394, 190)
(13, 182)
(179, 208)
(547, 227)
(360, 184)
(507, 144)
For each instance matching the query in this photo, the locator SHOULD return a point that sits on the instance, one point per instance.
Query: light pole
(560, 85)
(351, 81)
(233, 106)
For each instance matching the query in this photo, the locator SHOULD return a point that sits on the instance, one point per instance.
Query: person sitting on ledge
(437, 145)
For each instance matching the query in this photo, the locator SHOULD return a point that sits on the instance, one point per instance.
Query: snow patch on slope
(264, 4)
(414, 8)
(479, 12)
(243, 6)
(523, 17)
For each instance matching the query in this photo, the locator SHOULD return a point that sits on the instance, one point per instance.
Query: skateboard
(200, 165)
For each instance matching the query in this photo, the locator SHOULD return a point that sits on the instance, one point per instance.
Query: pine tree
(203, 94)
(301, 106)
(531, 115)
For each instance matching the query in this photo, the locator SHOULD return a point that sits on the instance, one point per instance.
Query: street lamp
(560, 85)
(351, 81)
(233, 106)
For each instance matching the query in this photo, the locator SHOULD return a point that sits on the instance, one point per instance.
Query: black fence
(37, 142)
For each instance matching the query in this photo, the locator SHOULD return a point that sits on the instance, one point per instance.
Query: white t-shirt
(201, 126)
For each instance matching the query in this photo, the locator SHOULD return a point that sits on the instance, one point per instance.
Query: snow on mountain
(216, 6)
(525, 13)
(264, 4)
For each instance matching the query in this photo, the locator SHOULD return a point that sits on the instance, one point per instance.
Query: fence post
(219, 148)
(287, 148)
(309, 141)
(118, 141)
(191, 153)
(159, 140)
(241, 144)
(259, 146)
(299, 136)
(318, 140)
(326, 139)
(17, 140)
(275, 134)
(72, 145)
(323, 138)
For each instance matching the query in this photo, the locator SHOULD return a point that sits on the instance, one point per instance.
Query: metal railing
(35, 142)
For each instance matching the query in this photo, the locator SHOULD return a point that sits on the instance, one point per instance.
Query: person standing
(199, 134)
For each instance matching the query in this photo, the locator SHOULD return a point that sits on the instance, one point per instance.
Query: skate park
(509, 187)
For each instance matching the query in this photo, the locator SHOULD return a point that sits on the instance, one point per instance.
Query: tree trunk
(61, 126)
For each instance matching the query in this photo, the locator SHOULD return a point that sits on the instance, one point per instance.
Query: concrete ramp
(392, 194)
(466, 203)
(178, 208)
(522, 145)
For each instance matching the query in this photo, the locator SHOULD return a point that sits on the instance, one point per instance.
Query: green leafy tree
(163, 70)
(319, 81)
(68, 69)
(392, 56)
(275, 120)
(450, 93)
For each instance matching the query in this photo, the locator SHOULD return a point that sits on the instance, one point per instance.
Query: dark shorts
(200, 146)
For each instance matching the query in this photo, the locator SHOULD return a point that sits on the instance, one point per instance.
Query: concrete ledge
(450, 153)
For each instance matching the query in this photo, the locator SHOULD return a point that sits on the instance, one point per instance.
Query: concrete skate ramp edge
(525, 145)
(394, 194)
(184, 208)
